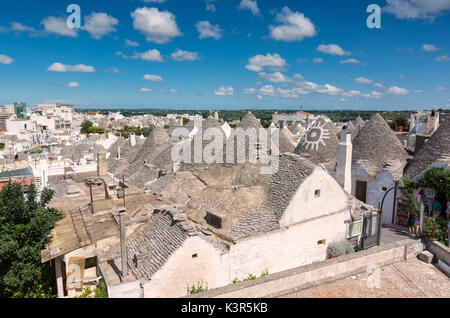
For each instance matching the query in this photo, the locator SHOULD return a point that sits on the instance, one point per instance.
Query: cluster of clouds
(432, 48)
(224, 91)
(160, 26)
(155, 55)
(59, 67)
(417, 9)
(97, 24)
(299, 86)
(393, 90)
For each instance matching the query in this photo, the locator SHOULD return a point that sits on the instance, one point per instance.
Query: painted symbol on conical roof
(315, 136)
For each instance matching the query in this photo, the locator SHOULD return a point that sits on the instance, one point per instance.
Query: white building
(284, 222)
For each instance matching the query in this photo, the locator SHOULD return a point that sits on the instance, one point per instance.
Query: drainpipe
(395, 201)
(123, 243)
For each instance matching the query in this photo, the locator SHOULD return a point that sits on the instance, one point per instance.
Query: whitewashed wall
(375, 190)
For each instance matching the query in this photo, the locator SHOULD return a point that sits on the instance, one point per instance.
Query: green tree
(85, 126)
(96, 130)
(25, 225)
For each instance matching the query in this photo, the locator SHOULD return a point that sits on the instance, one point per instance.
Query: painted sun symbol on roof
(315, 136)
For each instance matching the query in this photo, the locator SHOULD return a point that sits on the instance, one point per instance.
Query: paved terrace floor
(394, 233)
(411, 279)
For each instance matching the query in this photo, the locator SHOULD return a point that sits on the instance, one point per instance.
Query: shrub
(99, 292)
(357, 248)
(197, 289)
(435, 229)
(250, 277)
(340, 248)
(265, 272)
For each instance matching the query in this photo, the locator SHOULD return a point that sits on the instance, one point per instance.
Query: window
(194, 255)
(213, 220)
(322, 242)
(317, 193)
(354, 229)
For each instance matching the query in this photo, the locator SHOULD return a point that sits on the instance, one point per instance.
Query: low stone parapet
(282, 283)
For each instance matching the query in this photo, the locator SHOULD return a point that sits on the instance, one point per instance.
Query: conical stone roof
(249, 121)
(286, 141)
(320, 144)
(157, 141)
(377, 145)
(358, 123)
(437, 147)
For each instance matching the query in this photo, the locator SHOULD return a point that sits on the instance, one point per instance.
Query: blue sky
(227, 54)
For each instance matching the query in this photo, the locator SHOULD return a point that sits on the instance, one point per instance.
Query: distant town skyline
(226, 55)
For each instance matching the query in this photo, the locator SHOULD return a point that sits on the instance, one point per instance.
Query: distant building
(20, 110)
(23, 176)
(286, 120)
(421, 126)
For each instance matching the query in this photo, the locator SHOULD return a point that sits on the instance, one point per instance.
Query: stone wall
(279, 284)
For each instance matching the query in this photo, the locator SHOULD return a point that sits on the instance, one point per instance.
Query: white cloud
(376, 95)
(100, 24)
(276, 77)
(210, 6)
(144, 89)
(443, 58)
(131, 43)
(5, 59)
(70, 85)
(249, 5)
(292, 93)
(171, 91)
(207, 30)
(113, 70)
(395, 90)
(363, 80)
(258, 62)
(294, 26)
(151, 55)
(350, 61)
(58, 67)
(152, 78)
(225, 91)
(429, 48)
(19, 27)
(417, 9)
(249, 91)
(333, 49)
(379, 85)
(58, 26)
(267, 90)
(317, 60)
(73, 84)
(441, 88)
(157, 26)
(417, 91)
(154, 1)
(180, 55)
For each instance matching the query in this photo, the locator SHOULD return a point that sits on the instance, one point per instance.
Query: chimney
(123, 242)
(132, 140)
(344, 163)
(102, 165)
